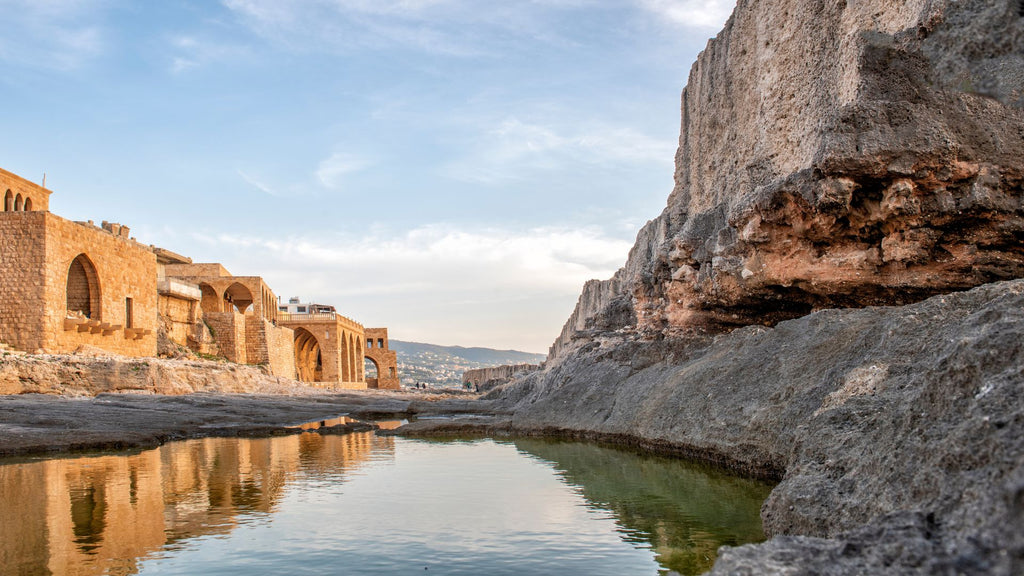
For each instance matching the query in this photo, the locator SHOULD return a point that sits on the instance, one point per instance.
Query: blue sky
(452, 169)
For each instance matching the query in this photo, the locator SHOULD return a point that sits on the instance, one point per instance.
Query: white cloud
(514, 149)
(692, 13)
(54, 34)
(439, 283)
(193, 52)
(332, 170)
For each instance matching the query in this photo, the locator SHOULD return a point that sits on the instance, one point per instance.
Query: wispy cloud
(514, 149)
(257, 184)
(462, 28)
(193, 52)
(332, 170)
(692, 13)
(53, 34)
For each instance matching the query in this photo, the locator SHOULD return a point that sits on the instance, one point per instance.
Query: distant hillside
(443, 365)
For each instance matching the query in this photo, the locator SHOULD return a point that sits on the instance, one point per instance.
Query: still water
(363, 504)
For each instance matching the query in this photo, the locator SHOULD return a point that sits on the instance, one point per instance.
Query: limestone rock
(833, 154)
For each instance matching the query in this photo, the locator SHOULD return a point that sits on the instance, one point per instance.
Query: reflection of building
(102, 515)
(66, 285)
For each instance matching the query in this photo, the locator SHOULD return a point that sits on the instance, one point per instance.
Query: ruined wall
(833, 154)
(179, 317)
(378, 350)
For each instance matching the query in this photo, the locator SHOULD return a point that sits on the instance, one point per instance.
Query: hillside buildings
(67, 286)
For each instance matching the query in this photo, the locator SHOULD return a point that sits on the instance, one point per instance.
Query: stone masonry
(383, 358)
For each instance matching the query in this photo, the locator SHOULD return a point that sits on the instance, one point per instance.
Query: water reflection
(684, 511)
(100, 515)
(310, 504)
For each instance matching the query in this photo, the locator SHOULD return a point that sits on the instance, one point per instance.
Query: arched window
(8, 201)
(28, 204)
(83, 288)
(17, 203)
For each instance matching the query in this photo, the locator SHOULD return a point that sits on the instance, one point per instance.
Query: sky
(454, 170)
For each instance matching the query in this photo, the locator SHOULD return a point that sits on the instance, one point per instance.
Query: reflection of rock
(92, 515)
(684, 511)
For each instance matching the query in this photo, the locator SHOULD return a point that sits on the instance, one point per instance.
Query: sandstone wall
(179, 317)
(228, 330)
(22, 289)
(270, 345)
(378, 351)
(38, 251)
(33, 198)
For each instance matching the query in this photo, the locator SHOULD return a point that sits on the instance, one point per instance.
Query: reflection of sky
(455, 508)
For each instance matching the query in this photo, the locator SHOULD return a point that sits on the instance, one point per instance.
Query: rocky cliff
(833, 154)
(838, 162)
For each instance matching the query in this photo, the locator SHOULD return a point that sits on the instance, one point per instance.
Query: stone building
(328, 346)
(64, 284)
(383, 359)
(240, 313)
(67, 285)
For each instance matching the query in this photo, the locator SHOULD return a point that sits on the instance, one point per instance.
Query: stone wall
(270, 345)
(19, 195)
(40, 252)
(336, 341)
(22, 272)
(228, 330)
(179, 317)
(379, 352)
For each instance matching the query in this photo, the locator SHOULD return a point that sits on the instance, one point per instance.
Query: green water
(362, 504)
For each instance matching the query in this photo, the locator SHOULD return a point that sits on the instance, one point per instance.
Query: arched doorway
(83, 288)
(238, 296)
(9, 201)
(210, 301)
(372, 372)
(308, 360)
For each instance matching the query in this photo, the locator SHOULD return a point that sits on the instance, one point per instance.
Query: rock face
(834, 154)
(897, 432)
(487, 378)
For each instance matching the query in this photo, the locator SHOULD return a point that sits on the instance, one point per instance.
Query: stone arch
(239, 296)
(211, 300)
(9, 201)
(353, 370)
(308, 359)
(372, 369)
(28, 204)
(18, 203)
(83, 288)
